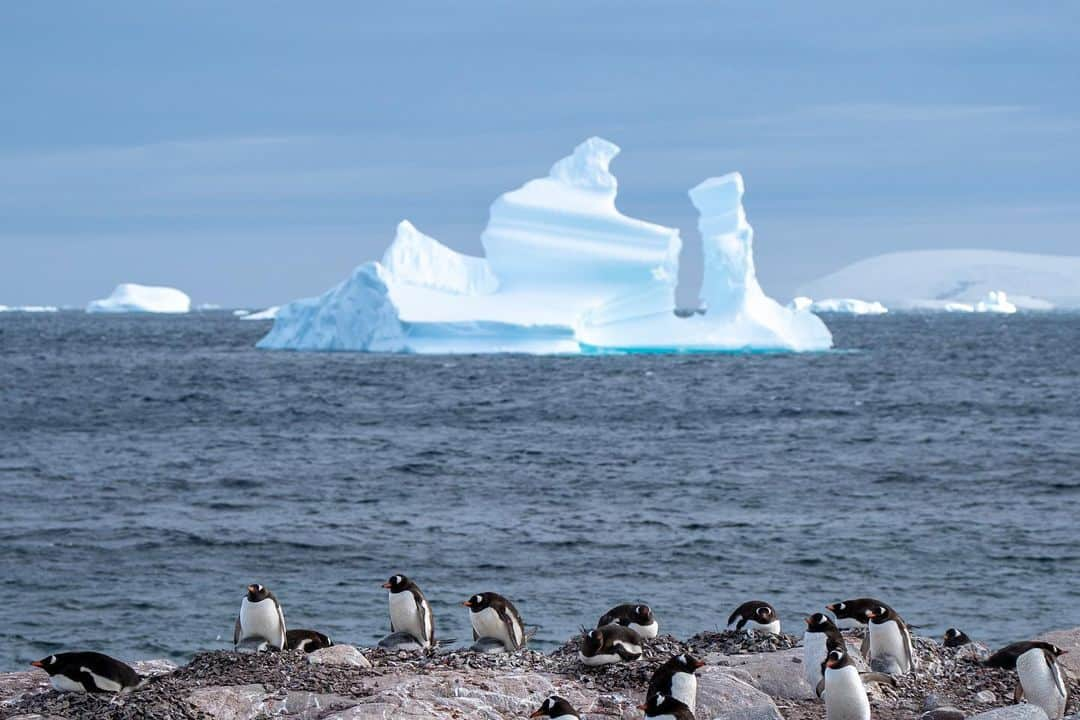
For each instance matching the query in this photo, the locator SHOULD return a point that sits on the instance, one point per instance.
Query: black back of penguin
(307, 640)
(81, 667)
(857, 610)
(1007, 656)
(663, 706)
(955, 638)
(625, 614)
(751, 611)
(660, 683)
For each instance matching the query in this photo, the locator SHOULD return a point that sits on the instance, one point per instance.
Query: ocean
(152, 467)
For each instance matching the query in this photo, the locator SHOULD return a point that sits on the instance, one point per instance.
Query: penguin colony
(619, 636)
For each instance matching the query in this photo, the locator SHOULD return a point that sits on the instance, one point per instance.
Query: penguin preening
(1041, 679)
(609, 644)
(638, 618)
(821, 637)
(845, 694)
(493, 616)
(853, 613)
(663, 707)
(410, 611)
(556, 708)
(891, 648)
(307, 640)
(260, 618)
(756, 615)
(676, 679)
(89, 672)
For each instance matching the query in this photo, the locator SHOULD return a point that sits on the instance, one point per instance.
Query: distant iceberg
(564, 272)
(268, 314)
(956, 280)
(849, 306)
(132, 298)
(995, 302)
(28, 309)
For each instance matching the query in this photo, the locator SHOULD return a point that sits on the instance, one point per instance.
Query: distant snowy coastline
(958, 281)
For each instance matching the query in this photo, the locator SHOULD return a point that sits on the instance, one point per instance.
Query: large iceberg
(132, 298)
(956, 280)
(563, 272)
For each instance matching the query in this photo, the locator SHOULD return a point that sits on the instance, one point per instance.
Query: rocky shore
(745, 678)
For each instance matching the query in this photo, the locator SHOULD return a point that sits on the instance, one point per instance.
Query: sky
(252, 153)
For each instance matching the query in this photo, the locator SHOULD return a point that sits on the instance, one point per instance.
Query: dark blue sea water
(151, 467)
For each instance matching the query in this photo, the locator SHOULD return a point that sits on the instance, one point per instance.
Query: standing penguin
(493, 616)
(845, 694)
(89, 672)
(755, 615)
(609, 644)
(890, 642)
(410, 611)
(821, 637)
(556, 708)
(662, 707)
(638, 618)
(855, 613)
(260, 618)
(676, 679)
(1041, 680)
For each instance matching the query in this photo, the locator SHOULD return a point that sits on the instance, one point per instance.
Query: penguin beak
(387, 585)
(38, 664)
(807, 619)
(467, 603)
(642, 706)
(251, 588)
(699, 663)
(537, 713)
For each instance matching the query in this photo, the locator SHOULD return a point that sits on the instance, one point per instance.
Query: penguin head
(643, 614)
(480, 601)
(764, 613)
(819, 622)
(397, 583)
(880, 613)
(50, 664)
(955, 638)
(591, 642)
(554, 707)
(257, 593)
(687, 663)
(1058, 652)
(837, 659)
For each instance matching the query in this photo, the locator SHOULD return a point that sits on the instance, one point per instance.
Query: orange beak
(467, 603)
(537, 713)
(642, 707)
(699, 663)
(387, 585)
(1063, 652)
(251, 588)
(38, 664)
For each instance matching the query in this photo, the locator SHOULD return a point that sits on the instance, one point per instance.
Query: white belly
(887, 639)
(684, 689)
(599, 659)
(772, 628)
(260, 620)
(646, 631)
(488, 624)
(845, 696)
(65, 684)
(405, 616)
(813, 655)
(1040, 683)
(103, 683)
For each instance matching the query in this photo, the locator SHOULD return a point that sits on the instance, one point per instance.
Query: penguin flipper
(820, 689)
(1018, 694)
(1055, 670)
(625, 654)
(511, 631)
(475, 636)
(909, 649)
(281, 625)
(864, 646)
(236, 633)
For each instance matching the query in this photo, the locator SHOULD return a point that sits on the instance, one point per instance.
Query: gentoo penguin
(1041, 680)
(260, 618)
(755, 615)
(493, 616)
(609, 644)
(556, 708)
(662, 707)
(845, 694)
(638, 618)
(852, 614)
(955, 638)
(88, 672)
(890, 641)
(820, 638)
(409, 610)
(675, 679)
(307, 640)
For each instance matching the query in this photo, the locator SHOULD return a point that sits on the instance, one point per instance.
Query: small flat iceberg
(268, 314)
(849, 306)
(132, 298)
(563, 271)
(28, 309)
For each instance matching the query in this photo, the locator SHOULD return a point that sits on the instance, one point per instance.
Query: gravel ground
(946, 676)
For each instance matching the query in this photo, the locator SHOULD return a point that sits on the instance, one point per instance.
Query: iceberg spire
(587, 168)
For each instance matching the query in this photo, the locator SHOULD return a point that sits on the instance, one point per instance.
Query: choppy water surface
(151, 467)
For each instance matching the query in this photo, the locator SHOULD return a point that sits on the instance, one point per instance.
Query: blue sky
(251, 153)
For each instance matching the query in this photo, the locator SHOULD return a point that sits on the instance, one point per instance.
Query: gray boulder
(1023, 711)
(1068, 640)
(339, 655)
(723, 695)
(778, 674)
